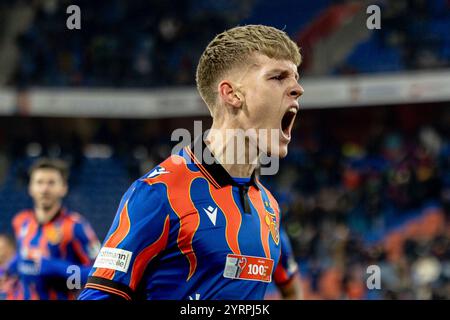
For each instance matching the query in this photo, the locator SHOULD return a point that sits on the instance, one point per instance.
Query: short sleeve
(138, 234)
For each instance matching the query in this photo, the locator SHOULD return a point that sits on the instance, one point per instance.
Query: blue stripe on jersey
(216, 245)
(250, 232)
(241, 180)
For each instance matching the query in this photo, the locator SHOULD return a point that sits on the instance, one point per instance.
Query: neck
(233, 155)
(44, 215)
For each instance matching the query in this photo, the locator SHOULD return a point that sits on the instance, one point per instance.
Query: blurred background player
(8, 283)
(50, 238)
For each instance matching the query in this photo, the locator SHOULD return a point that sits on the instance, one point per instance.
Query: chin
(280, 152)
(283, 152)
(47, 205)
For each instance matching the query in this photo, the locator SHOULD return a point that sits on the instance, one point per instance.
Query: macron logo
(212, 214)
(158, 171)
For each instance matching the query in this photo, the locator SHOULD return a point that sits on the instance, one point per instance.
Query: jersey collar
(61, 212)
(214, 172)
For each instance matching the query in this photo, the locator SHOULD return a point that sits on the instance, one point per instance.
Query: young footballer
(200, 225)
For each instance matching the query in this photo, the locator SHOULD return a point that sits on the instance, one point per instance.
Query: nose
(45, 187)
(296, 91)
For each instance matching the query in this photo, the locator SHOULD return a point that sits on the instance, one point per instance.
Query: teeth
(293, 109)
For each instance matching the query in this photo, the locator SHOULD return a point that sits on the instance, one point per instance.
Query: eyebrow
(283, 71)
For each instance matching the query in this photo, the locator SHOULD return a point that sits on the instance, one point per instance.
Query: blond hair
(234, 47)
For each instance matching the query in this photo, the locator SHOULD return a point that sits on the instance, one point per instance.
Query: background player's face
(271, 91)
(47, 188)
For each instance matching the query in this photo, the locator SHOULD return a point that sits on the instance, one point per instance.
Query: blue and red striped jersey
(187, 230)
(46, 250)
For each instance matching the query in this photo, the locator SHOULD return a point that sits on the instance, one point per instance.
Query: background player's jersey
(188, 231)
(46, 250)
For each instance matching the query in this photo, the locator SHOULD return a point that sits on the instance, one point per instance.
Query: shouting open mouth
(287, 122)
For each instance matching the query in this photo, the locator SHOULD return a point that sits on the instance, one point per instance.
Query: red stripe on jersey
(224, 199)
(146, 255)
(71, 296)
(280, 276)
(181, 204)
(52, 295)
(189, 221)
(33, 292)
(121, 232)
(202, 169)
(84, 258)
(255, 198)
(19, 220)
(108, 289)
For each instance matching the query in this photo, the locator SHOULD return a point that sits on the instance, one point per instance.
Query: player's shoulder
(148, 190)
(21, 218)
(170, 171)
(269, 194)
(23, 215)
(144, 199)
(74, 216)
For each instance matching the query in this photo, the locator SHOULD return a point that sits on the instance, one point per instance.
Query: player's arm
(287, 276)
(94, 294)
(138, 234)
(292, 290)
(52, 267)
(85, 245)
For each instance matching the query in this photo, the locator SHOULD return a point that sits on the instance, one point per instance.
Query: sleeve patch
(113, 258)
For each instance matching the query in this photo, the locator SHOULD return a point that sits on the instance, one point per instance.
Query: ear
(230, 95)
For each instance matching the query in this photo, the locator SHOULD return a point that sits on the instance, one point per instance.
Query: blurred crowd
(374, 193)
(158, 43)
(121, 43)
(378, 198)
(413, 36)
(419, 29)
